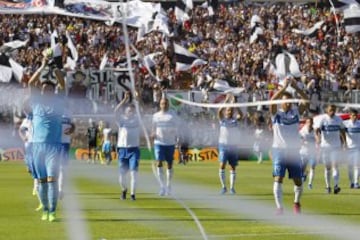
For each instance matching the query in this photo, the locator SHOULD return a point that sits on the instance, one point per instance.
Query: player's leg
(233, 162)
(64, 162)
(159, 158)
(350, 166)
(356, 169)
(325, 158)
(222, 168)
(312, 166)
(123, 163)
(169, 157)
(334, 157)
(52, 168)
(38, 155)
(278, 174)
(295, 169)
(134, 166)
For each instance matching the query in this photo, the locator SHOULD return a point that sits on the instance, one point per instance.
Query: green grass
(196, 185)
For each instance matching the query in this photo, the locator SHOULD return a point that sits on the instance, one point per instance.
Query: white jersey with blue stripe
(330, 128)
(308, 138)
(229, 134)
(129, 132)
(166, 126)
(286, 129)
(352, 131)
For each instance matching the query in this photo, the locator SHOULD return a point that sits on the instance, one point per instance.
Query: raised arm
(278, 95)
(35, 77)
(304, 105)
(122, 102)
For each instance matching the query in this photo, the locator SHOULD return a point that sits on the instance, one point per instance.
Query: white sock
(61, 179)
(122, 179)
(133, 181)
(36, 186)
(222, 177)
(350, 173)
(311, 175)
(327, 177)
(336, 176)
(298, 191)
(169, 175)
(160, 174)
(260, 157)
(356, 175)
(232, 178)
(278, 194)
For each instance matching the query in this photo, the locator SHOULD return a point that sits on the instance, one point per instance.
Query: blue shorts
(106, 147)
(164, 153)
(286, 159)
(64, 154)
(45, 158)
(229, 154)
(29, 159)
(128, 158)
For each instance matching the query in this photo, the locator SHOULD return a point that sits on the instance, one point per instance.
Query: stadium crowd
(329, 60)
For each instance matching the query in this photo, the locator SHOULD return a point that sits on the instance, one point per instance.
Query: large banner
(137, 12)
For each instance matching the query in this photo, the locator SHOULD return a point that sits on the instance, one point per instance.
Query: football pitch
(92, 209)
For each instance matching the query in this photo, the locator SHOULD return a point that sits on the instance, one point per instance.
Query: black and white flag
(185, 60)
(256, 29)
(9, 69)
(182, 9)
(286, 64)
(352, 18)
(73, 55)
(310, 32)
(12, 46)
(340, 5)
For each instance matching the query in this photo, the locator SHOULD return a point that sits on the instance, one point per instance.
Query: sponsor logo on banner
(12, 154)
(200, 155)
(194, 154)
(83, 154)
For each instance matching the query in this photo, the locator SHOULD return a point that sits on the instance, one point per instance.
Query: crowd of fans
(329, 60)
(331, 57)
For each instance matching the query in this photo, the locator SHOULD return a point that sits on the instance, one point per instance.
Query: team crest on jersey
(331, 128)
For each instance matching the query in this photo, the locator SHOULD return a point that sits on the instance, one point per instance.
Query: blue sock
(43, 194)
(53, 195)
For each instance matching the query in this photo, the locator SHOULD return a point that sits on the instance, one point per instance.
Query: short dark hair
(353, 111)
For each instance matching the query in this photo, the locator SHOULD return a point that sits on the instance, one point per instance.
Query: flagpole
(336, 21)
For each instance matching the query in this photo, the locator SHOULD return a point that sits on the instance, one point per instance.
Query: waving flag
(256, 30)
(286, 64)
(185, 60)
(9, 69)
(182, 10)
(352, 18)
(311, 32)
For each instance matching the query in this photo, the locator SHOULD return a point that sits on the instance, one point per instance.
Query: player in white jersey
(68, 127)
(330, 135)
(106, 143)
(308, 151)
(164, 133)
(229, 137)
(286, 144)
(352, 133)
(128, 145)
